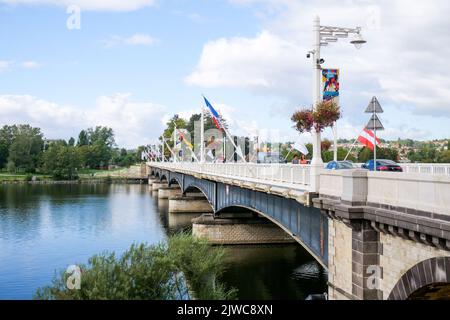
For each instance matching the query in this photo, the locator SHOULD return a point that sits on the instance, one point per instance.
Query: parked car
(383, 165)
(270, 158)
(339, 165)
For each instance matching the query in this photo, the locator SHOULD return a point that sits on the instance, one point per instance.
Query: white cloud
(30, 64)
(138, 39)
(266, 62)
(95, 5)
(5, 65)
(403, 63)
(134, 123)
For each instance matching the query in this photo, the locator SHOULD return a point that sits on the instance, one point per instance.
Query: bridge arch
(205, 186)
(281, 226)
(429, 279)
(175, 180)
(193, 188)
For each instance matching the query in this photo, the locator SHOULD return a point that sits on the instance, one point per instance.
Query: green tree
(328, 155)
(83, 139)
(209, 123)
(168, 132)
(190, 125)
(325, 145)
(101, 136)
(124, 158)
(26, 148)
(6, 138)
(444, 156)
(61, 161)
(96, 146)
(366, 154)
(71, 142)
(158, 272)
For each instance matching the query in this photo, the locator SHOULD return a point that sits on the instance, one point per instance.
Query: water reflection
(274, 272)
(44, 228)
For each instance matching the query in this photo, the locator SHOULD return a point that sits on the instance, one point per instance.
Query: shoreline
(80, 181)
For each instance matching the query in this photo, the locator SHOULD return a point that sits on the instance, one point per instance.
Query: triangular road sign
(374, 105)
(374, 123)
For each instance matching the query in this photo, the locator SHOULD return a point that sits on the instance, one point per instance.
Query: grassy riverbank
(115, 175)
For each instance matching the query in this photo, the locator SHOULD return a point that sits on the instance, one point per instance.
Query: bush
(178, 269)
(29, 177)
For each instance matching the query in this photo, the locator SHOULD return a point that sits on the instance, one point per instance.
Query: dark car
(339, 165)
(383, 165)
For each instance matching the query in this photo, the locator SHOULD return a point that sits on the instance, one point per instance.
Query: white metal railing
(422, 168)
(427, 168)
(295, 174)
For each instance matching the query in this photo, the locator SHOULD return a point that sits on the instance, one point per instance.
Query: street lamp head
(358, 41)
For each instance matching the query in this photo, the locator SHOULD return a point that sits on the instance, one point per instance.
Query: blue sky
(132, 65)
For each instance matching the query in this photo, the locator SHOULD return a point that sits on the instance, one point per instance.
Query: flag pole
(227, 134)
(171, 151)
(351, 148)
(285, 158)
(175, 138)
(232, 142)
(335, 141)
(202, 136)
(375, 142)
(189, 146)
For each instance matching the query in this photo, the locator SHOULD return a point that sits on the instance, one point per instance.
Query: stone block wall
(239, 231)
(339, 260)
(399, 255)
(189, 204)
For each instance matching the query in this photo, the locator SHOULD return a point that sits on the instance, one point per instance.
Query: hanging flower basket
(325, 115)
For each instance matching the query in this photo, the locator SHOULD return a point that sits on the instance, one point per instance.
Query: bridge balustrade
(427, 168)
(275, 173)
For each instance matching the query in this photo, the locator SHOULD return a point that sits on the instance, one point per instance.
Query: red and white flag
(367, 138)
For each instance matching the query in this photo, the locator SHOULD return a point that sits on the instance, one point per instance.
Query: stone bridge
(380, 235)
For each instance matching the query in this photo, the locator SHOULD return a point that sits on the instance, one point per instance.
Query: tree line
(23, 149)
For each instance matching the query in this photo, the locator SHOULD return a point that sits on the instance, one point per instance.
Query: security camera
(320, 61)
(308, 55)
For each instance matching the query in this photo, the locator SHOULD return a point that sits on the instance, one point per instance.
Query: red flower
(325, 115)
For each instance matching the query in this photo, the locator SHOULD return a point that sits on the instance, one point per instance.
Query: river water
(45, 228)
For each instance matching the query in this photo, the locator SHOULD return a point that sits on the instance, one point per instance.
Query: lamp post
(322, 36)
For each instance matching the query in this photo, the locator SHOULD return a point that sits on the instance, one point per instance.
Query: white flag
(300, 146)
(210, 154)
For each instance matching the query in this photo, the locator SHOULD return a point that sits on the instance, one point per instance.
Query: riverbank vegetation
(181, 268)
(24, 151)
